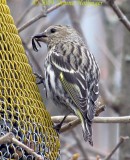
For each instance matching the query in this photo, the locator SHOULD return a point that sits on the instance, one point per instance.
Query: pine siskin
(71, 73)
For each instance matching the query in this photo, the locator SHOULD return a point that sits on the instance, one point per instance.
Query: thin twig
(10, 138)
(75, 20)
(57, 119)
(24, 14)
(122, 139)
(123, 119)
(40, 16)
(76, 121)
(70, 125)
(99, 110)
(6, 138)
(119, 13)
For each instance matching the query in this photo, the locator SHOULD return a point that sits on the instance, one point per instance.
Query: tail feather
(86, 127)
(87, 131)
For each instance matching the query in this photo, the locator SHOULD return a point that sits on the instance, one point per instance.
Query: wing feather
(77, 85)
(73, 82)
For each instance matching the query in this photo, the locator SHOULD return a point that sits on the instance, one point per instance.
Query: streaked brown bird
(71, 73)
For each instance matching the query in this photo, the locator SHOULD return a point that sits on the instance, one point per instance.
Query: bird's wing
(73, 82)
(93, 95)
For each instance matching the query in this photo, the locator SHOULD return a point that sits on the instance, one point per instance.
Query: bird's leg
(41, 79)
(58, 126)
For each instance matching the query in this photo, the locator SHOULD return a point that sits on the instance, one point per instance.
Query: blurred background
(109, 41)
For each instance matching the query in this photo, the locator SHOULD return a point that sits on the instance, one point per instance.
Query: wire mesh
(21, 108)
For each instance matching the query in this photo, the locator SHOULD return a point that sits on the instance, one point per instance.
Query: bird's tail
(87, 131)
(86, 127)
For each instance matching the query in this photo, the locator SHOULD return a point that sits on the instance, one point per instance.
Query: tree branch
(123, 119)
(119, 13)
(57, 119)
(9, 138)
(24, 14)
(70, 125)
(75, 20)
(40, 16)
(122, 139)
(73, 120)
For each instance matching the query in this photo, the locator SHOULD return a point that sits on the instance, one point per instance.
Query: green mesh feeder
(22, 111)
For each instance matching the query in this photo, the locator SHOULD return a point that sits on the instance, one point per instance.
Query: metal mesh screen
(21, 108)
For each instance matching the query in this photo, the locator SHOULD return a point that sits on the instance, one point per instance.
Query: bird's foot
(41, 79)
(58, 126)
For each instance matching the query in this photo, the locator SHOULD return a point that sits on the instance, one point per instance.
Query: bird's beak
(42, 37)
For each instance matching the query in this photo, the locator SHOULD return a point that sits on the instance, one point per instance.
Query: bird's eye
(53, 30)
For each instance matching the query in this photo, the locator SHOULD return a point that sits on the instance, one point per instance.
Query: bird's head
(54, 34)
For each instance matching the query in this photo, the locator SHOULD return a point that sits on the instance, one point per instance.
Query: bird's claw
(58, 126)
(41, 79)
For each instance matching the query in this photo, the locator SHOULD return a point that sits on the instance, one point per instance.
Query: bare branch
(6, 138)
(9, 138)
(99, 110)
(75, 20)
(122, 139)
(57, 119)
(24, 14)
(123, 119)
(73, 120)
(70, 125)
(40, 16)
(119, 13)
